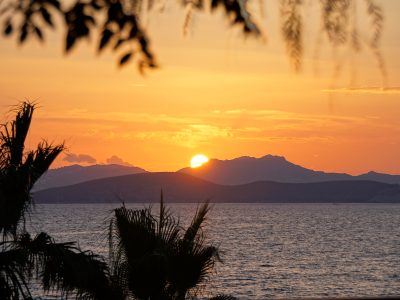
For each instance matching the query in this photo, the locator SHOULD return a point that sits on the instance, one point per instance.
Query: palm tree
(59, 266)
(19, 170)
(153, 257)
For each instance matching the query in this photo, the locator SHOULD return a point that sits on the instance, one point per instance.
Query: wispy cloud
(215, 116)
(364, 90)
(285, 117)
(116, 160)
(79, 158)
(81, 115)
(191, 130)
(190, 136)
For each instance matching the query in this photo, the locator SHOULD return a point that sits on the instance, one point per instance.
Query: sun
(198, 160)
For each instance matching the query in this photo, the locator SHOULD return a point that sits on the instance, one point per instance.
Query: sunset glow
(214, 92)
(198, 160)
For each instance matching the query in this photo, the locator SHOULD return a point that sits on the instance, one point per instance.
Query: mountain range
(75, 174)
(244, 179)
(236, 171)
(246, 169)
(180, 187)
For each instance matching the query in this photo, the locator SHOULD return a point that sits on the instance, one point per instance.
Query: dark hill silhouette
(143, 187)
(380, 177)
(247, 169)
(180, 187)
(240, 170)
(76, 174)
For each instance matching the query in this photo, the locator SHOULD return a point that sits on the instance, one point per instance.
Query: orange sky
(216, 93)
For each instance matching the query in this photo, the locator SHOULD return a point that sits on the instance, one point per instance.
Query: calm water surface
(271, 250)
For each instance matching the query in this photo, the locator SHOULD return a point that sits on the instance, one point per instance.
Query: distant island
(76, 174)
(247, 169)
(245, 179)
(241, 170)
(182, 186)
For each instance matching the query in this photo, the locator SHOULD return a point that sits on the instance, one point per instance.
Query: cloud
(203, 128)
(79, 158)
(190, 136)
(197, 129)
(365, 90)
(115, 160)
(116, 117)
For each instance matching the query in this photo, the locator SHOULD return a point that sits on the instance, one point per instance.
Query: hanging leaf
(96, 5)
(105, 38)
(90, 20)
(125, 58)
(46, 16)
(70, 41)
(119, 43)
(23, 33)
(8, 29)
(39, 33)
(133, 32)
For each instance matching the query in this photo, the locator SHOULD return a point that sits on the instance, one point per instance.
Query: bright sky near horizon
(215, 93)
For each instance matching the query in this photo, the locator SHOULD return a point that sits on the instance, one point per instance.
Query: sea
(268, 251)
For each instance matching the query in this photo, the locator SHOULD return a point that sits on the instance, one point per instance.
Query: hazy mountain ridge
(180, 187)
(74, 174)
(380, 177)
(246, 169)
(145, 187)
(242, 170)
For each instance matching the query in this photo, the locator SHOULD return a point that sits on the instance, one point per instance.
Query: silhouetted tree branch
(117, 24)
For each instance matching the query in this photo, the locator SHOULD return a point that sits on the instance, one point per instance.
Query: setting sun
(198, 160)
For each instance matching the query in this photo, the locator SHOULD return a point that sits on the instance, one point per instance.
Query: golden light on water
(198, 160)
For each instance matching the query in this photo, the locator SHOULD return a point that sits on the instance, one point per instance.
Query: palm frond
(43, 157)
(13, 135)
(64, 267)
(199, 218)
(153, 257)
(14, 272)
(168, 227)
(61, 267)
(191, 266)
(136, 263)
(19, 171)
